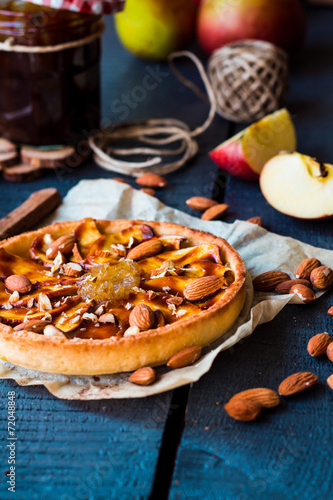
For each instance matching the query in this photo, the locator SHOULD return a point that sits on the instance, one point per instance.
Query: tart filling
(93, 297)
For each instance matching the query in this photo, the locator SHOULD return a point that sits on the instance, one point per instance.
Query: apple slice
(298, 185)
(245, 154)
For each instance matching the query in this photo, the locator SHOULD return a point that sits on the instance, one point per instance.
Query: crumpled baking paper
(107, 199)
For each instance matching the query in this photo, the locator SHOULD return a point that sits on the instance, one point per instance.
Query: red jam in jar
(49, 74)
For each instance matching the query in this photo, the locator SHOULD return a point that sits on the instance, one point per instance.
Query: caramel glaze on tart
(91, 286)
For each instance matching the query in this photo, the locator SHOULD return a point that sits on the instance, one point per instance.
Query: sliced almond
(143, 376)
(297, 382)
(177, 301)
(76, 253)
(268, 398)
(203, 287)
(243, 410)
(185, 357)
(146, 249)
(200, 203)
(215, 212)
(306, 267)
(317, 345)
(18, 283)
(152, 181)
(107, 318)
(132, 330)
(73, 269)
(268, 281)
(142, 317)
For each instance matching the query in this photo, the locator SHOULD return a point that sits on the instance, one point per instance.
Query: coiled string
(154, 135)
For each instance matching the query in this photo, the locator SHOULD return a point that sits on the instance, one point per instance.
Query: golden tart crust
(86, 356)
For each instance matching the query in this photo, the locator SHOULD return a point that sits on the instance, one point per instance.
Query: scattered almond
(322, 277)
(149, 191)
(34, 325)
(200, 203)
(159, 318)
(64, 244)
(317, 345)
(256, 220)
(143, 376)
(243, 410)
(306, 267)
(215, 212)
(145, 250)
(107, 318)
(201, 288)
(268, 398)
(152, 181)
(297, 382)
(185, 357)
(73, 269)
(329, 352)
(142, 317)
(330, 311)
(18, 283)
(175, 300)
(284, 287)
(132, 330)
(268, 281)
(330, 381)
(76, 253)
(304, 293)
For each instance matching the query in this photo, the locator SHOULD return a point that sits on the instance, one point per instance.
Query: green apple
(152, 29)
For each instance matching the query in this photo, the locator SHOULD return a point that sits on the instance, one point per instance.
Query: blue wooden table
(182, 445)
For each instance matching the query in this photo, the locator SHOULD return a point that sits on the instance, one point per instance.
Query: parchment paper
(107, 199)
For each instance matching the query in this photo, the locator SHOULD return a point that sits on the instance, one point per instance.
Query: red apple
(245, 154)
(281, 22)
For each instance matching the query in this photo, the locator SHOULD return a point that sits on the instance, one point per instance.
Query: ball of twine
(249, 79)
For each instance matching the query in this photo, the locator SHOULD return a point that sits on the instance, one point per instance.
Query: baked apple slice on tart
(105, 297)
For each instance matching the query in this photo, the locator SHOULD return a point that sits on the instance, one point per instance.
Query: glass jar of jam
(49, 74)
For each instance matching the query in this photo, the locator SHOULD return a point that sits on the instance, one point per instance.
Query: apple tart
(96, 297)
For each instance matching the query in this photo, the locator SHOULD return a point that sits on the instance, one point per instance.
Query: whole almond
(266, 398)
(143, 376)
(330, 381)
(149, 191)
(34, 325)
(159, 318)
(185, 357)
(322, 277)
(306, 266)
(284, 287)
(201, 288)
(18, 283)
(64, 244)
(330, 311)
(317, 345)
(215, 212)
(200, 203)
(256, 220)
(142, 317)
(304, 293)
(243, 410)
(297, 382)
(268, 281)
(152, 181)
(145, 250)
(329, 351)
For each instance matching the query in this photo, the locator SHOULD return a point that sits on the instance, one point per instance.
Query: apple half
(245, 154)
(298, 185)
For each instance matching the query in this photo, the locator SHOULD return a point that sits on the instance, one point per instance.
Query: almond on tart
(119, 295)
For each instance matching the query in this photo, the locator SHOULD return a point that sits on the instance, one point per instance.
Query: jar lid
(87, 6)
